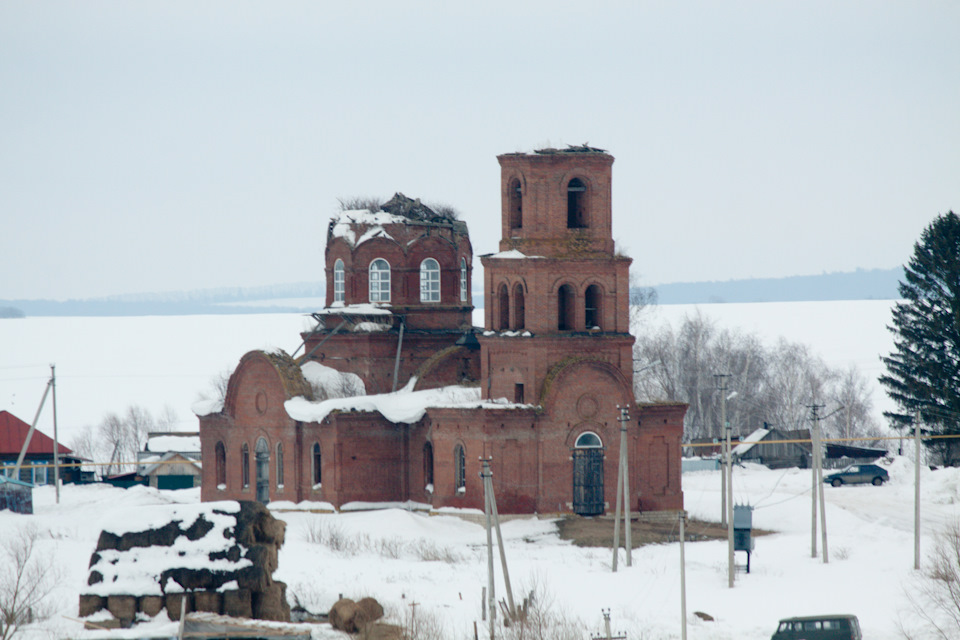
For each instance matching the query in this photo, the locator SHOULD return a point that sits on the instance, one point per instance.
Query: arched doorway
(588, 475)
(263, 471)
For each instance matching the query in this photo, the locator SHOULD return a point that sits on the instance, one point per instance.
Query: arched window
(463, 279)
(565, 308)
(503, 299)
(245, 466)
(576, 201)
(220, 456)
(515, 206)
(316, 466)
(592, 301)
(429, 281)
(588, 440)
(379, 281)
(339, 281)
(428, 464)
(279, 465)
(460, 468)
(518, 307)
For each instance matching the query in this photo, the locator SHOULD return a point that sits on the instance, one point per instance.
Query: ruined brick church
(395, 397)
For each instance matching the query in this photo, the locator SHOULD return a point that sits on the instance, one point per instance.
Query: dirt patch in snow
(598, 532)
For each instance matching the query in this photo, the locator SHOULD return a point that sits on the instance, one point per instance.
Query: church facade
(397, 398)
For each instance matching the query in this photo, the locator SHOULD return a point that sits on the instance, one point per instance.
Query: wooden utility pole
(623, 494)
(56, 440)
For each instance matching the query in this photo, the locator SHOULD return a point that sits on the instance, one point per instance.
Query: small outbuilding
(16, 495)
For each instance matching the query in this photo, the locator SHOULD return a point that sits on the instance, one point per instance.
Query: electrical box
(743, 529)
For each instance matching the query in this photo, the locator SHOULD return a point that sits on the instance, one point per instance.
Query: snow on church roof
(406, 406)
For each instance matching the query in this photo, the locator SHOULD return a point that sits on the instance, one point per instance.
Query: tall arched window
(316, 466)
(379, 281)
(428, 464)
(220, 456)
(429, 281)
(592, 301)
(576, 201)
(503, 299)
(565, 308)
(463, 279)
(518, 307)
(460, 468)
(515, 195)
(279, 465)
(245, 466)
(339, 281)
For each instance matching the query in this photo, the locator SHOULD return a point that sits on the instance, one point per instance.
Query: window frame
(339, 281)
(377, 292)
(430, 281)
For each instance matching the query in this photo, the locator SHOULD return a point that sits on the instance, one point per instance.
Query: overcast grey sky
(154, 146)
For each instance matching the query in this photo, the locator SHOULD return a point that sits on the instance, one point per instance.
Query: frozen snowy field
(107, 364)
(870, 563)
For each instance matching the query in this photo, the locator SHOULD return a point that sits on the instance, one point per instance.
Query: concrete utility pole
(722, 382)
(683, 581)
(916, 492)
(623, 494)
(813, 488)
(490, 509)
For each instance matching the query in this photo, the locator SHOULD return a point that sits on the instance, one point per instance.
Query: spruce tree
(923, 371)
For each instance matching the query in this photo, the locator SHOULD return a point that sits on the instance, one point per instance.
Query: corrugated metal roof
(13, 431)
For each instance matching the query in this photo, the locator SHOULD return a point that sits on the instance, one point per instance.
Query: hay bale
(271, 603)
(171, 603)
(368, 610)
(238, 604)
(210, 601)
(342, 614)
(150, 605)
(123, 608)
(383, 631)
(91, 604)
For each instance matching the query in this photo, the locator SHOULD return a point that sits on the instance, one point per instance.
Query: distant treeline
(862, 284)
(874, 284)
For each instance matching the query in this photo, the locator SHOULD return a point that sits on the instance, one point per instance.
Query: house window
(504, 303)
(429, 281)
(518, 307)
(565, 308)
(592, 300)
(428, 465)
(245, 465)
(316, 464)
(220, 456)
(515, 206)
(576, 201)
(279, 465)
(379, 281)
(463, 279)
(460, 469)
(339, 281)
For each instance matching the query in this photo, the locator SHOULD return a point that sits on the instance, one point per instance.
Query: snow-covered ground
(439, 561)
(107, 364)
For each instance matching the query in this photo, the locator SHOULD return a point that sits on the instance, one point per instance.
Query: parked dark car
(859, 474)
(832, 627)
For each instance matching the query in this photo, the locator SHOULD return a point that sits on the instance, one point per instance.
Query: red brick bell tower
(556, 291)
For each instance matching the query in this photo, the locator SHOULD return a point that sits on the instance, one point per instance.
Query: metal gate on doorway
(588, 475)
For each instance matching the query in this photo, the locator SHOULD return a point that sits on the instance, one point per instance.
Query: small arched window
(515, 205)
(245, 465)
(503, 300)
(279, 465)
(518, 307)
(339, 281)
(463, 279)
(379, 281)
(221, 465)
(316, 466)
(428, 464)
(460, 468)
(429, 281)
(592, 301)
(576, 201)
(565, 308)
(588, 440)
